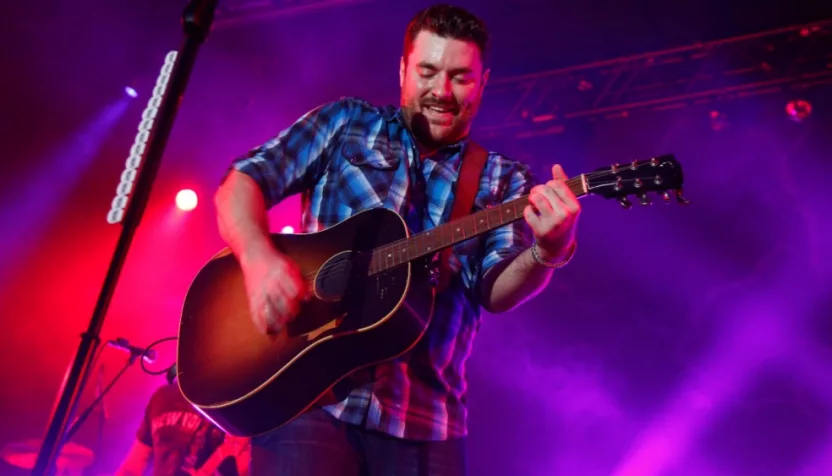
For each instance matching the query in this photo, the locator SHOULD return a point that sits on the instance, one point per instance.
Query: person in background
(175, 440)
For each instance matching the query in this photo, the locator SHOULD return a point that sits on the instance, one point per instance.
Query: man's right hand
(275, 288)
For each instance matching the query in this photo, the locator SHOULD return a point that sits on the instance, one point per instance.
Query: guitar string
(340, 267)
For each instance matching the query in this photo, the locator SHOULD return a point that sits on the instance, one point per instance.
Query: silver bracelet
(542, 262)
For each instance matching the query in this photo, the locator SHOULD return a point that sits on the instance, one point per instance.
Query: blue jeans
(316, 444)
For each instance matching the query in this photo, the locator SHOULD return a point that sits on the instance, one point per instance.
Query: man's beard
(420, 125)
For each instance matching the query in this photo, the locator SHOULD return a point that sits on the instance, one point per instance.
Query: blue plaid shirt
(347, 156)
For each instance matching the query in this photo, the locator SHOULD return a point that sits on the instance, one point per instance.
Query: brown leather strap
(467, 184)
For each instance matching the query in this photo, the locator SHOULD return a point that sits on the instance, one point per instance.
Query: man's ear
(401, 72)
(485, 77)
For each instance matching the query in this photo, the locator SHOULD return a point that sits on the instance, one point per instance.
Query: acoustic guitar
(372, 300)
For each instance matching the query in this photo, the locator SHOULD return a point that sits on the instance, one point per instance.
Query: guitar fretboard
(448, 234)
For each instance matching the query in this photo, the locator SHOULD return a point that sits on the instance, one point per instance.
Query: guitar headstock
(662, 175)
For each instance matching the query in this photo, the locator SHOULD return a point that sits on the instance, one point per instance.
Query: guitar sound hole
(336, 275)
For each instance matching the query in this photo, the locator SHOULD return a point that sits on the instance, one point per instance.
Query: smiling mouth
(440, 109)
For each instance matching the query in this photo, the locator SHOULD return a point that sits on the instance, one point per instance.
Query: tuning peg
(680, 198)
(643, 199)
(625, 203)
(666, 197)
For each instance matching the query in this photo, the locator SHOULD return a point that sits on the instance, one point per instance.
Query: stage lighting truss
(786, 59)
(237, 12)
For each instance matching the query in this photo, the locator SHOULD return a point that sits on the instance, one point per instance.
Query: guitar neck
(430, 241)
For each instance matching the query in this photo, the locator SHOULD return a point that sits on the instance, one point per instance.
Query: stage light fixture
(186, 200)
(799, 110)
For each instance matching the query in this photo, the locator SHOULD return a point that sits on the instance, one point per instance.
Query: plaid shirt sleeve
(511, 239)
(296, 158)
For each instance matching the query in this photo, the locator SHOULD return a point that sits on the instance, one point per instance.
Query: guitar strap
(467, 184)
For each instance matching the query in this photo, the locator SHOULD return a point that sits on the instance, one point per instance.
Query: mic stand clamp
(196, 22)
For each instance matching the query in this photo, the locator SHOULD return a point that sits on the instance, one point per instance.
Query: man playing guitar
(409, 416)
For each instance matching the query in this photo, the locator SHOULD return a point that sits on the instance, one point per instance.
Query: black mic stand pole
(196, 21)
(98, 399)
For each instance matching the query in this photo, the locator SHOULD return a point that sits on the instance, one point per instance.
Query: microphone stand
(196, 21)
(98, 399)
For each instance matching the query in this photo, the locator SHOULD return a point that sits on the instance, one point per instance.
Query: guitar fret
(412, 249)
(469, 224)
(404, 255)
(443, 232)
(493, 216)
(414, 245)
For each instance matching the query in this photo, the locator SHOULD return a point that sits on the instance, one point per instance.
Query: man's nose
(441, 86)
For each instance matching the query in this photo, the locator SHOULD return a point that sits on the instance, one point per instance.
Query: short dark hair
(449, 22)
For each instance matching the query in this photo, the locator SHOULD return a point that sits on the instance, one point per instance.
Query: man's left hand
(552, 214)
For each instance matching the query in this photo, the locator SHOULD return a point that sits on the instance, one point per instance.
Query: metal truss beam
(241, 12)
(791, 58)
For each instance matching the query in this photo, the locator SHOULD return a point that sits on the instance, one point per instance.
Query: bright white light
(134, 160)
(186, 200)
(287, 229)
(131, 92)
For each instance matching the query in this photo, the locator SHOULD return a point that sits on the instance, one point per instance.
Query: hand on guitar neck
(552, 214)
